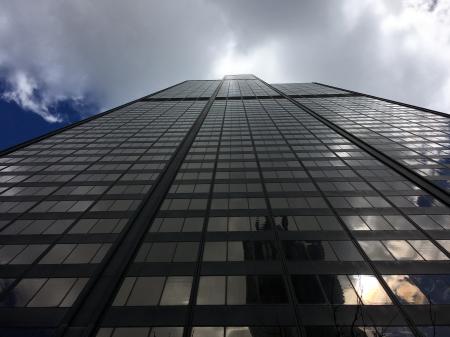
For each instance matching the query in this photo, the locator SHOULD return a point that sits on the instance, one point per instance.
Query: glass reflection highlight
(405, 290)
(369, 290)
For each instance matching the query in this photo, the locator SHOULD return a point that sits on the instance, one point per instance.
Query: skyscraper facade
(231, 208)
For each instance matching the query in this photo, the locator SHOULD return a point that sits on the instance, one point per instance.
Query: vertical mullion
(94, 302)
(377, 274)
(287, 281)
(95, 199)
(196, 279)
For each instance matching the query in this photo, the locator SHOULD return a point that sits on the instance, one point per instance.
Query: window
(171, 225)
(432, 222)
(238, 251)
(44, 292)
(250, 289)
(435, 287)
(183, 204)
(369, 290)
(307, 289)
(402, 250)
(97, 226)
(346, 251)
(376, 250)
(377, 222)
(308, 223)
(62, 206)
(20, 254)
(238, 203)
(155, 290)
(167, 252)
(243, 331)
(115, 205)
(26, 227)
(309, 202)
(140, 332)
(338, 289)
(238, 224)
(15, 206)
(405, 290)
(76, 253)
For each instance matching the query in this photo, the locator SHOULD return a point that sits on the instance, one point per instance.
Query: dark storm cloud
(113, 51)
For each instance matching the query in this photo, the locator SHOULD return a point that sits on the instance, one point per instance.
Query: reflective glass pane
(346, 251)
(166, 332)
(215, 251)
(405, 290)
(52, 293)
(177, 290)
(435, 287)
(186, 252)
(402, 250)
(131, 332)
(22, 292)
(146, 291)
(428, 250)
(369, 289)
(211, 290)
(208, 331)
(236, 290)
(338, 289)
(308, 289)
(236, 251)
(376, 250)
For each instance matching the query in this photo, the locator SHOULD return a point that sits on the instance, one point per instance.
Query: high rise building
(231, 208)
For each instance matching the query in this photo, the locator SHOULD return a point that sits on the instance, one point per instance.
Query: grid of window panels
(66, 200)
(415, 138)
(306, 89)
(189, 89)
(236, 88)
(272, 224)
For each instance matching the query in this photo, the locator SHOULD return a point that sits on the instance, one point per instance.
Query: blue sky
(19, 124)
(71, 59)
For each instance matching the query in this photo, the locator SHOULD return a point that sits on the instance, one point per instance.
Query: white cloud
(23, 92)
(261, 60)
(114, 51)
(393, 49)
